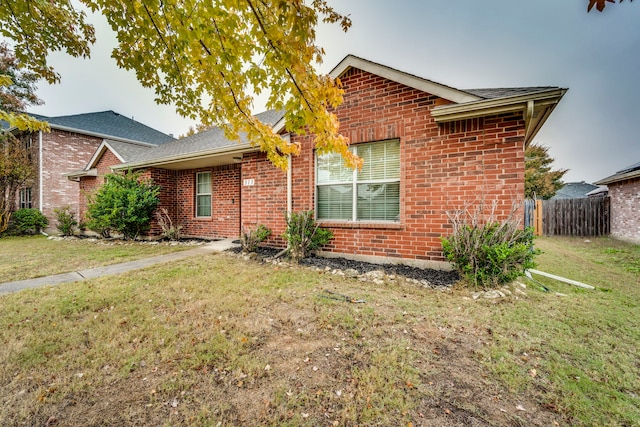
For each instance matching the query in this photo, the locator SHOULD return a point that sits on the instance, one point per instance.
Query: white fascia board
(99, 152)
(80, 173)
(424, 85)
(243, 148)
(619, 177)
(447, 113)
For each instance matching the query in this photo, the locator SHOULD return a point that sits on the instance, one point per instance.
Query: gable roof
(205, 144)
(630, 172)
(536, 104)
(124, 151)
(574, 190)
(107, 124)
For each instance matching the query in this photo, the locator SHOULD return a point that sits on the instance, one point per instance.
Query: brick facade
(62, 152)
(444, 167)
(625, 209)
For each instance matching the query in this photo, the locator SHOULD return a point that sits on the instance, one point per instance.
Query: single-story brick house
(69, 145)
(428, 148)
(624, 191)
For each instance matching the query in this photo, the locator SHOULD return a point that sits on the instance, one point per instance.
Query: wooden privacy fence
(569, 217)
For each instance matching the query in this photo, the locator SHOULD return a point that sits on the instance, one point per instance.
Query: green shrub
(66, 220)
(250, 239)
(29, 221)
(491, 254)
(123, 204)
(304, 235)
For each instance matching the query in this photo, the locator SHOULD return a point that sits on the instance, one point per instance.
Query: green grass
(215, 340)
(36, 256)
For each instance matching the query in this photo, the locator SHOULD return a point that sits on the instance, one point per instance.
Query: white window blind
(372, 194)
(203, 194)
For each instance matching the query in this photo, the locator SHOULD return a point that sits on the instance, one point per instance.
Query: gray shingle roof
(505, 92)
(630, 172)
(128, 151)
(574, 190)
(109, 123)
(204, 141)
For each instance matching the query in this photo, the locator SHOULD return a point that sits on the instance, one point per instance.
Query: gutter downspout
(40, 167)
(289, 193)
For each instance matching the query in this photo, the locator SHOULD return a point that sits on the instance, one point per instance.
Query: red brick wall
(63, 152)
(178, 197)
(625, 209)
(265, 201)
(446, 167)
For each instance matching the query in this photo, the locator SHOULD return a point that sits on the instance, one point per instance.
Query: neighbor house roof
(629, 172)
(106, 124)
(574, 190)
(206, 144)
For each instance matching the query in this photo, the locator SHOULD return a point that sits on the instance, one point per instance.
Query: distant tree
(21, 93)
(540, 181)
(600, 4)
(16, 168)
(192, 131)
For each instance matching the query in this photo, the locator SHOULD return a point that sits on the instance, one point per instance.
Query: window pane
(335, 202)
(379, 202)
(331, 168)
(381, 160)
(203, 205)
(204, 183)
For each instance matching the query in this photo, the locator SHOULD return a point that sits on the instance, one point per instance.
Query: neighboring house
(574, 190)
(428, 149)
(72, 142)
(624, 192)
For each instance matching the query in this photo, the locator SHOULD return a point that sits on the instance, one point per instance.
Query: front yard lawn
(36, 256)
(216, 340)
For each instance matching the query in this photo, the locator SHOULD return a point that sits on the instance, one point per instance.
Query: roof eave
(619, 177)
(232, 149)
(76, 175)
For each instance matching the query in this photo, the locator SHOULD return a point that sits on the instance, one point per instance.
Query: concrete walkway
(92, 273)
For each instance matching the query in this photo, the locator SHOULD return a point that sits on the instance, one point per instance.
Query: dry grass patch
(215, 340)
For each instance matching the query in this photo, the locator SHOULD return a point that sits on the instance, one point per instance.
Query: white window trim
(354, 183)
(197, 195)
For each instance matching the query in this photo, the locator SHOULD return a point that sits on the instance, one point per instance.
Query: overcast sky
(461, 43)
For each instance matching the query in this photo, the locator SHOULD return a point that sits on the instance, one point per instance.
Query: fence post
(537, 218)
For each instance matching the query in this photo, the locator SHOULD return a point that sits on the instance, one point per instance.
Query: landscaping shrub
(29, 221)
(304, 235)
(250, 239)
(123, 204)
(169, 231)
(66, 220)
(485, 251)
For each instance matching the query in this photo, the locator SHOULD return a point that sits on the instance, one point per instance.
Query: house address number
(249, 182)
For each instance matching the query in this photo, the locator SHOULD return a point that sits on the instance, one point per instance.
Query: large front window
(203, 194)
(372, 194)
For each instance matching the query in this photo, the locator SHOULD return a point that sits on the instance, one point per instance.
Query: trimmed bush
(124, 204)
(29, 221)
(250, 239)
(304, 235)
(66, 220)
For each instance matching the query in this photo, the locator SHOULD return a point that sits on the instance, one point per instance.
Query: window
(372, 194)
(203, 194)
(25, 198)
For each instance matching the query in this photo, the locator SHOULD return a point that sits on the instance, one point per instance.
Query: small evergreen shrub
(29, 221)
(124, 204)
(304, 235)
(66, 220)
(250, 239)
(169, 230)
